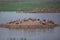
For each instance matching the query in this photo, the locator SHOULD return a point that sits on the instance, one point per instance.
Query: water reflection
(30, 34)
(17, 38)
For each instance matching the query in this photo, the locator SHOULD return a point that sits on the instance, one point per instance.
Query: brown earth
(51, 10)
(29, 23)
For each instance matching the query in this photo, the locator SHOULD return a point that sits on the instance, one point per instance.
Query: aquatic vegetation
(28, 7)
(12, 39)
(23, 39)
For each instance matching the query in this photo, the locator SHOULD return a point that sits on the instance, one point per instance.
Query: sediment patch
(29, 23)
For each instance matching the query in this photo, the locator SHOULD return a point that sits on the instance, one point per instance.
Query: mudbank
(51, 10)
(29, 23)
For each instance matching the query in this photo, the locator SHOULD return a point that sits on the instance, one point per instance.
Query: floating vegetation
(23, 39)
(17, 38)
(12, 39)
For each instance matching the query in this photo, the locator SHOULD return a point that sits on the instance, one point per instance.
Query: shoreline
(37, 10)
(50, 10)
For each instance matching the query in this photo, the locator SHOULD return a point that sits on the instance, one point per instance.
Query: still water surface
(29, 34)
(11, 16)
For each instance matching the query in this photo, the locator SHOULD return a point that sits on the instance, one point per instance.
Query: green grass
(23, 6)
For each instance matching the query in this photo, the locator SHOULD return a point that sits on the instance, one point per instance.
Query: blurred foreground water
(30, 34)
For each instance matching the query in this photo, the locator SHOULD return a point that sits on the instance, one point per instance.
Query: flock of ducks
(29, 23)
(43, 22)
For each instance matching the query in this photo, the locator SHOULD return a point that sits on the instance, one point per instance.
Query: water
(29, 34)
(11, 16)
